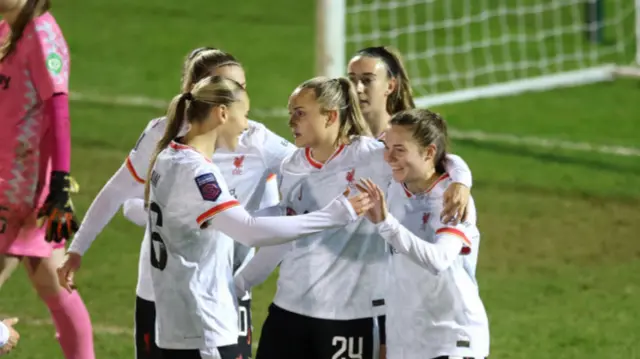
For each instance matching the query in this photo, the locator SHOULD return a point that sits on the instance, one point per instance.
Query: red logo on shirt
(425, 220)
(351, 176)
(238, 163)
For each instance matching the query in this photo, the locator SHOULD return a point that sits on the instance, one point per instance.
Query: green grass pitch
(559, 260)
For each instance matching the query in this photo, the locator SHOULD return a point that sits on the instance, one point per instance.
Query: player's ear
(393, 84)
(221, 113)
(429, 152)
(332, 117)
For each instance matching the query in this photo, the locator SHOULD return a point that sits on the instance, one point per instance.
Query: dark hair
(194, 107)
(401, 98)
(339, 94)
(200, 62)
(428, 128)
(30, 9)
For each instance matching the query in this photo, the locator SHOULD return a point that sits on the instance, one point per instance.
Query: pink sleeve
(57, 108)
(48, 58)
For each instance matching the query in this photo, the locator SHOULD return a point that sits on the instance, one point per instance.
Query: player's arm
(458, 170)
(260, 267)
(126, 183)
(435, 257)
(271, 195)
(48, 65)
(120, 187)
(456, 197)
(133, 210)
(218, 209)
(274, 150)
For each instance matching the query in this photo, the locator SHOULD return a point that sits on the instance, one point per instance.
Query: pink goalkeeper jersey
(31, 75)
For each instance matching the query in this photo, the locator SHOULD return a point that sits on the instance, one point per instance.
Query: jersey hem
(299, 311)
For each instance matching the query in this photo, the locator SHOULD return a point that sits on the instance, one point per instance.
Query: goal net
(458, 50)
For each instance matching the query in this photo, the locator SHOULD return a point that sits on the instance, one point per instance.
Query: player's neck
(424, 183)
(203, 143)
(322, 153)
(378, 123)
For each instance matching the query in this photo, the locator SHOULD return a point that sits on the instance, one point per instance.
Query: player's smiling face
(408, 160)
(308, 122)
(370, 78)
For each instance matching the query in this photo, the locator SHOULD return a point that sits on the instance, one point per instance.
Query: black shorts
(226, 352)
(246, 330)
(145, 330)
(287, 335)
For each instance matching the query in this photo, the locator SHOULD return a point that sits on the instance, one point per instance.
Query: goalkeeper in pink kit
(36, 214)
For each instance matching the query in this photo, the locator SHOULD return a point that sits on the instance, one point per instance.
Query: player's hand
(67, 270)
(13, 336)
(57, 211)
(378, 211)
(360, 202)
(455, 201)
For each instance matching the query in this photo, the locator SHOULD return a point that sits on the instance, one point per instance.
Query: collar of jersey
(181, 147)
(317, 164)
(433, 185)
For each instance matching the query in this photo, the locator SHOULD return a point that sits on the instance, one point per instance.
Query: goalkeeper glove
(57, 209)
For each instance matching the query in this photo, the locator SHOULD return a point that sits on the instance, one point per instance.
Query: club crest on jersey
(208, 187)
(351, 177)
(238, 163)
(425, 220)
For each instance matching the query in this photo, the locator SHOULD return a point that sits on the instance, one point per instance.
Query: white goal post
(461, 50)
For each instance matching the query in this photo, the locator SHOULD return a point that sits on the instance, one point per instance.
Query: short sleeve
(48, 58)
(208, 195)
(275, 149)
(138, 160)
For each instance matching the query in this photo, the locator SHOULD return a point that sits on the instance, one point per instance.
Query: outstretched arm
(120, 187)
(260, 267)
(251, 231)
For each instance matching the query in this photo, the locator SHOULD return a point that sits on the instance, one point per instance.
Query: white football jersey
(339, 273)
(249, 172)
(432, 312)
(192, 278)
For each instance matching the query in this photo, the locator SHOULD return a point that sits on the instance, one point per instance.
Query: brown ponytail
(30, 9)
(401, 99)
(352, 123)
(175, 119)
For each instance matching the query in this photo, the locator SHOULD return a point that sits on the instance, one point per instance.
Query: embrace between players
(364, 214)
(374, 256)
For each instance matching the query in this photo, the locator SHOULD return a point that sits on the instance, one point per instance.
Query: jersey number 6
(158, 260)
